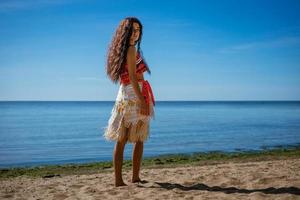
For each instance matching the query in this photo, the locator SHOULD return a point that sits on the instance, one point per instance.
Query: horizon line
(155, 101)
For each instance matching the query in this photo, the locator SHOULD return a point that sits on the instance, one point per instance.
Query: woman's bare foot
(138, 180)
(120, 184)
(135, 180)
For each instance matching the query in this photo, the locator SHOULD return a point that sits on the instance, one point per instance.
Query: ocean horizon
(34, 133)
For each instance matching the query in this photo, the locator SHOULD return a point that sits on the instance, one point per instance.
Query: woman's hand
(144, 108)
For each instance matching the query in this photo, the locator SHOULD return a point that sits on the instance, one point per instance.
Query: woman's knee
(123, 139)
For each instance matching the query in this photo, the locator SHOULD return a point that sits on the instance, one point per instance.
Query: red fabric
(147, 91)
(140, 68)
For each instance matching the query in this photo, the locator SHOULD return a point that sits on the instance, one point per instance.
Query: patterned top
(140, 68)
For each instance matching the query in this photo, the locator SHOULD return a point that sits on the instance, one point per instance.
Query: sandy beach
(272, 179)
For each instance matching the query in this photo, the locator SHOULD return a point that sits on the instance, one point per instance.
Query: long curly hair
(117, 51)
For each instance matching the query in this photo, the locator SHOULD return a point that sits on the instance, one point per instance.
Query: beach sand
(272, 179)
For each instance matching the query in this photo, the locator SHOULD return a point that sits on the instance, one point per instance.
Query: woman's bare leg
(118, 160)
(136, 160)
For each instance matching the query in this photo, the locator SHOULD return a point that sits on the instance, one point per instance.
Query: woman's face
(135, 33)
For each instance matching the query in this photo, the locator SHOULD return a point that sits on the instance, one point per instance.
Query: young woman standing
(134, 105)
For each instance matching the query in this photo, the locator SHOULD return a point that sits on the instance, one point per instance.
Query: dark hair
(117, 51)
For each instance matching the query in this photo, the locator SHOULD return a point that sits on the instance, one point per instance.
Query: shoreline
(272, 174)
(162, 161)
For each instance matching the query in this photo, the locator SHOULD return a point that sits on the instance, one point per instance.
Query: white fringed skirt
(125, 115)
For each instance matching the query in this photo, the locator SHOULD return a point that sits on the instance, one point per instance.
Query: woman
(134, 106)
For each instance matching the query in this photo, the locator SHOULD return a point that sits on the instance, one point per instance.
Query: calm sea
(38, 133)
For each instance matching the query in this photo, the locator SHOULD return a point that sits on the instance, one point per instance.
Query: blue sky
(196, 50)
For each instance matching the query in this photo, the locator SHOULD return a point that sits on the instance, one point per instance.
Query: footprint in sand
(266, 180)
(6, 196)
(60, 196)
(112, 192)
(89, 190)
(77, 186)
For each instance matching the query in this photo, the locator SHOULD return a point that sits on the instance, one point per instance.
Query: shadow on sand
(227, 190)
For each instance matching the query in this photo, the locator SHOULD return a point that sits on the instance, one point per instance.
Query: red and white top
(140, 68)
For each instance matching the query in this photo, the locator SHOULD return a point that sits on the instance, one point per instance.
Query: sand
(275, 179)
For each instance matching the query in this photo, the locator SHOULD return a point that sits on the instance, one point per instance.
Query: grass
(171, 160)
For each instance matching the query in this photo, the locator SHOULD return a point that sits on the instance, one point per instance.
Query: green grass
(171, 160)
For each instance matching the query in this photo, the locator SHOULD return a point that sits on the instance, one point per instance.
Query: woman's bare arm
(131, 61)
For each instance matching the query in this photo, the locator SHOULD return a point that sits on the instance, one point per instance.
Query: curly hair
(117, 51)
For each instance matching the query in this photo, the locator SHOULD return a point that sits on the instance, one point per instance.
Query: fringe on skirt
(126, 114)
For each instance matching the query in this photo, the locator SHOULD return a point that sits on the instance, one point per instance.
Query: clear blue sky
(196, 50)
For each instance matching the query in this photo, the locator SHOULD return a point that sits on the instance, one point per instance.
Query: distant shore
(170, 160)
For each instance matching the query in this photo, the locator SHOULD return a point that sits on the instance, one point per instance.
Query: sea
(35, 133)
